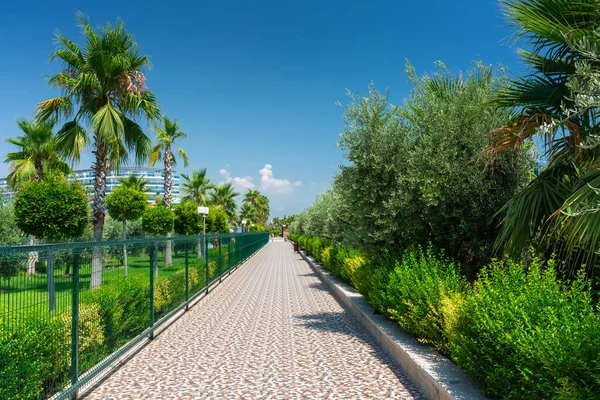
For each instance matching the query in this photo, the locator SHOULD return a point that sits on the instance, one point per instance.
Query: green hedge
(36, 348)
(519, 330)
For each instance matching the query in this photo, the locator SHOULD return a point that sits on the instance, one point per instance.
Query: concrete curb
(436, 376)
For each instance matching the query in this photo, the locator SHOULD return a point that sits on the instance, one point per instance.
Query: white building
(153, 177)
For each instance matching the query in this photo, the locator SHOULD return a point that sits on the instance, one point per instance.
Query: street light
(243, 224)
(204, 212)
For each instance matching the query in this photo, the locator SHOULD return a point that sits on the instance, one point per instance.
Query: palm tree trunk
(124, 247)
(39, 169)
(99, 168)
(168, 194)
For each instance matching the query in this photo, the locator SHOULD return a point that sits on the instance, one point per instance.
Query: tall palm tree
(224, 196)
(167, 136)
(38, 153)
(248, 212)
(260, 203)
(133, 182)
(557, 104)
(197, 186)
(103, 88)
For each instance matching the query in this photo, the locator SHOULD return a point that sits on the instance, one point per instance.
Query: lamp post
(243, 225)
(204, 212)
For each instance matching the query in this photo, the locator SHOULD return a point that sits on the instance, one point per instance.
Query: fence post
(50, 275)
(153, 265)
(220, 258)
(75, 323)
(187, 278)
(229, 257)
(206, 262)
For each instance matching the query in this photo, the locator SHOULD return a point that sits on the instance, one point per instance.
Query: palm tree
(133, 182)
(260, 203)
(167, 136)
(104, 88)
(38, 153)
(197, 186)
(223, 195)
(556, 103)
(248, 212)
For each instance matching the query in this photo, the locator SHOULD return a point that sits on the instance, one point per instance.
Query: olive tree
(126, 204)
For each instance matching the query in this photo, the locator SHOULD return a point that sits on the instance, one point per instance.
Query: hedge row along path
(271, 330)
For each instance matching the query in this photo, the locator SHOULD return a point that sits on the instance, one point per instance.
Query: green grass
(29, 293)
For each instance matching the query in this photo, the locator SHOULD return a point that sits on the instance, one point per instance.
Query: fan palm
(103, 87)
(260, 203)
(248, 212)
(38, 153)
(134, 182)
(167, 136)
(224, 196)
(196, 186)
(556, 104)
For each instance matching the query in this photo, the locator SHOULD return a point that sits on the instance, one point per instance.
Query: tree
(167, 136)
(557, 104)
(224, 196)
(55, 210)
(158, 221)
(133, 182)
(38, 154)
(415, 174)
(187, 219)
(103, 86)
(9, 231)
(248, 212)
(260, 203)
(126, 204)
(197, 186)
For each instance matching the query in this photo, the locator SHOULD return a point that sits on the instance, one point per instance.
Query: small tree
(126, 204)
(158, 221)
(187, 219)
(52, 210)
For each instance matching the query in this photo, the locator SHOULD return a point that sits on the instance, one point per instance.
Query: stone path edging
(437, 376)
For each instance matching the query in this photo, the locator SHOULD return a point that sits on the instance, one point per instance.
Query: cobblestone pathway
(272, 330)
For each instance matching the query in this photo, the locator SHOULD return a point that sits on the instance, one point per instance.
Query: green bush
(416, 290)
(187, 219)
(158, 221)
(520, 330)
(525, 334)
(54, 209)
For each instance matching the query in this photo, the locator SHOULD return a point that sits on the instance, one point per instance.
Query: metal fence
(67, 311)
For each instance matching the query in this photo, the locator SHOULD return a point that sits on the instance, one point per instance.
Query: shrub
(525, 334)
(52, 210)
(415, 292)
(187, 219)
(158, 221)
(126, 204)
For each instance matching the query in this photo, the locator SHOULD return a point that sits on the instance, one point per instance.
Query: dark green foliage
(126, 204)
(415, 174)
(158, 221)
(9, 231)
(52, 209)
(187, 219)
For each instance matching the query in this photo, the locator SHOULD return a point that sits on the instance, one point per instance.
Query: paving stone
(271, 330)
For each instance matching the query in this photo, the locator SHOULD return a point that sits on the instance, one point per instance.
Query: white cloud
(240, 183)
(268, 183)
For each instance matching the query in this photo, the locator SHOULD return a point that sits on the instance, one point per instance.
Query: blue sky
(255, 84)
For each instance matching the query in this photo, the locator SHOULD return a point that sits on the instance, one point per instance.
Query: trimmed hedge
(519, 330)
